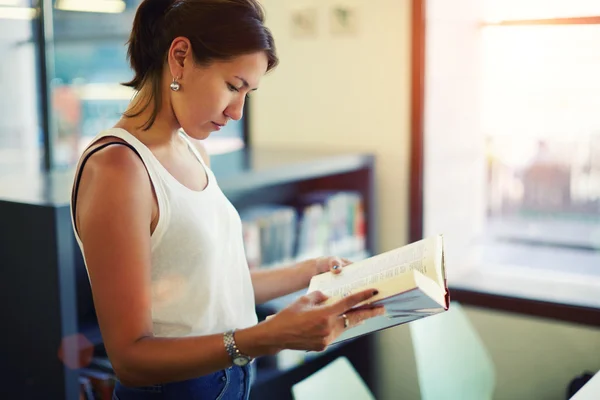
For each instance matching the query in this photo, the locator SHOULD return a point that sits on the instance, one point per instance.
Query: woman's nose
(235, 111)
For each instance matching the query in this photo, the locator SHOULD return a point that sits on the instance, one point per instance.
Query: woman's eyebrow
(244, 82)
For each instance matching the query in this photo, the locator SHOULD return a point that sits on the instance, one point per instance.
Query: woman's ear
(179, 53)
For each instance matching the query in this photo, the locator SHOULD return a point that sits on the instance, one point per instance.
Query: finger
(345, 321)
(350, 301)
(316, 297)
(354, 318)
(359, 316)
(336, 264)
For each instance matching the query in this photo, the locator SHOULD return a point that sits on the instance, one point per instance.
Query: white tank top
(200, 277)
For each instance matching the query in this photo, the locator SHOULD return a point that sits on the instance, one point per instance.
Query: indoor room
(384, 125)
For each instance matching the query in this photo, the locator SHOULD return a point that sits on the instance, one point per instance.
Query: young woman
(163, 246)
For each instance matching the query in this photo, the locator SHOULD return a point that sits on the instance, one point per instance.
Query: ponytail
(147, 28)
(147, 60)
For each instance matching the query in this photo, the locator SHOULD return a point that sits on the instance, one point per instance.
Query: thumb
(336, 264)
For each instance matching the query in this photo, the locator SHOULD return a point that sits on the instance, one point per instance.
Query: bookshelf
(46, 294)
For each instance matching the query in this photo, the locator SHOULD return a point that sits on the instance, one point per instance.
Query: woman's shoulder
(110, 151)
(109, 174)
(113, 158)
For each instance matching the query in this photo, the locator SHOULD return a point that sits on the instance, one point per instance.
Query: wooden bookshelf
(45, 289)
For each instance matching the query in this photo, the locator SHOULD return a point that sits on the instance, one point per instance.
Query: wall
(344, 93)
(535, 359)
(347, 93)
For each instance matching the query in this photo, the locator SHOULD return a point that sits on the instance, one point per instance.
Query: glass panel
(90, 63)
(21, 140)
(541, 92)
(498, 10)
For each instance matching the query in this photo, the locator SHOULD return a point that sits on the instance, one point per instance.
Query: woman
(163, 246)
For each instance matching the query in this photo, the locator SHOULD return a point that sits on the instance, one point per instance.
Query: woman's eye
(232, 88)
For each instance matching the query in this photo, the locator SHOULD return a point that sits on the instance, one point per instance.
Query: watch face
(240, 361)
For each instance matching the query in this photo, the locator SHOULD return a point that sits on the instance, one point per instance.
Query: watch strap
(231, 346)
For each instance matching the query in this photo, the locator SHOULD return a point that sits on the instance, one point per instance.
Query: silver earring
(175, 86)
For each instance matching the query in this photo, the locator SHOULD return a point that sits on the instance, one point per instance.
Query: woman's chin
(198, 134)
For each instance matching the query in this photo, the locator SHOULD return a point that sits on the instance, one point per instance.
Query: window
(541, 121)
(512, 145)
(85, 63)
(522, 10)
(21, 143)
(90, 62)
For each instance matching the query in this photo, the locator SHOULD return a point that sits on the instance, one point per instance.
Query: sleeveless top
(200, 277)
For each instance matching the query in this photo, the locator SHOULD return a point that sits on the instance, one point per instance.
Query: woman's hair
(219, 30)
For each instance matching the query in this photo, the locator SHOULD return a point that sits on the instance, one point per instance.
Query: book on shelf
(411, 281)
(269, 232)
(319, 223)
(101, 384)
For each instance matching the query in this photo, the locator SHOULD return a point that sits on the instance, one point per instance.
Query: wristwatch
(237, 357)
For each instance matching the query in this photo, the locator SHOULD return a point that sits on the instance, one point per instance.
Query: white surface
(337, 380)
(452, 361)
(590, 391)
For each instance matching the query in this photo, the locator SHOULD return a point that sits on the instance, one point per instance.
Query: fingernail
(336, 267)
(375, 292)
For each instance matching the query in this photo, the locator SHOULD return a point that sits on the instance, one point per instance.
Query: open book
(411, 281)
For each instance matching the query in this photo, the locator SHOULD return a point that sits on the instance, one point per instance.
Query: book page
(376, 271)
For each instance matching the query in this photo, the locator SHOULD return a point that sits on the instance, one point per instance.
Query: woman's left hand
(333, 264)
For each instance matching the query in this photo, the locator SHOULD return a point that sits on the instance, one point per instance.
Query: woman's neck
(164, 129)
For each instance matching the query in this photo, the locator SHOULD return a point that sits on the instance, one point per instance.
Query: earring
(175, 86)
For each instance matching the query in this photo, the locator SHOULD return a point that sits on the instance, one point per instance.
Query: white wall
(344, 93)
(354, 93)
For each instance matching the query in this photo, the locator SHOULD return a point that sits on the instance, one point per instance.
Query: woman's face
(211, 96)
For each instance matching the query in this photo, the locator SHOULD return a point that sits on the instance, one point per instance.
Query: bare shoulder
(113, 177)
(114, 217)
(117, 163)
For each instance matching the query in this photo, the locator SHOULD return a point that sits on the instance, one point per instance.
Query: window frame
(479, 298)
(43, 27)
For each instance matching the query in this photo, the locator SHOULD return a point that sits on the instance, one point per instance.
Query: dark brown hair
(219, 30)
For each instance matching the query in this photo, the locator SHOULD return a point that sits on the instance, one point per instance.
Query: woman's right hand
(308, 324)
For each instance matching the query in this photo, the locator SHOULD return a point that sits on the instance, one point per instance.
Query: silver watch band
(232, 349)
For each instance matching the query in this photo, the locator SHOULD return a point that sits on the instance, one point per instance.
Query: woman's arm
(272, 283)
(115, 207)
(114, 217)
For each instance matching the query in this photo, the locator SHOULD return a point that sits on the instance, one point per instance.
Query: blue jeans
(233, 383)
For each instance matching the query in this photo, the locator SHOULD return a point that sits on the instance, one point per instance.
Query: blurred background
(482, 118)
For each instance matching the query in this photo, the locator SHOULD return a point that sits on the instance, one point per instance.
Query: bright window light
(98, 6)
(24, 13)
(506, 10)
